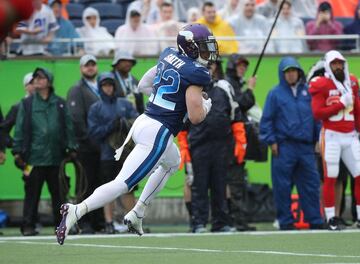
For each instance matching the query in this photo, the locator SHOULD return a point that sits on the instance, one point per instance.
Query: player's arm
(197, 106)
(320, 110)
(146, 83)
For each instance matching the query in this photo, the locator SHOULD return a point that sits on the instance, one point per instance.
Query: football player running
(177, 82)
(335, 101)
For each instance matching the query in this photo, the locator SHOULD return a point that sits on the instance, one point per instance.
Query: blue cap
(106, 77)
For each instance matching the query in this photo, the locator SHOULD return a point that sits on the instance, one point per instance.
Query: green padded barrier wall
(67, 73)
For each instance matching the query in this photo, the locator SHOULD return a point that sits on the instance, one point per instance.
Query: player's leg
(167, 165)
(331, 150)
(351, 158)
(151, 139)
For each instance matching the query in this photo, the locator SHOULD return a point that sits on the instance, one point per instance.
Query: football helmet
(197, 42)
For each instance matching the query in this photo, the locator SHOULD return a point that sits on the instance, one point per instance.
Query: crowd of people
(303, 118)
(151, 25)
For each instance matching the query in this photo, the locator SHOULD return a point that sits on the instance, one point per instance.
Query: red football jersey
(326, 105)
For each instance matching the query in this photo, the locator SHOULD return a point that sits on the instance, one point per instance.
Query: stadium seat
(124, 4)
(90, 2)
(75, 10)
(77, 22)
(108, 10)
(344, 20)
(14, 48)
(306, 19)
(123, 1)
(112, 24)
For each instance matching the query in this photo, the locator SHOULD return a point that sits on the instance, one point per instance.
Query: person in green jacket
(43, 138)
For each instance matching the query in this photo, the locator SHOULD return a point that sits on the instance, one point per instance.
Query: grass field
(172, 248)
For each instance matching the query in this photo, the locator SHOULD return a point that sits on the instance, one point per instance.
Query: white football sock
(155, 183)
(329, 212)
(82, 210)
(104, 194)
(140, 208)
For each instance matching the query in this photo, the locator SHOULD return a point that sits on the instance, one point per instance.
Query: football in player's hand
(205, 95)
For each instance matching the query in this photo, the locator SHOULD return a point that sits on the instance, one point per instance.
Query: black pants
(210, 163)
(109, 170)
(33, 185)
(237, 184)
(91, 163)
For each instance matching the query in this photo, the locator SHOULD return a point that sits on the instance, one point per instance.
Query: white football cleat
(69, 218)
(134, 223)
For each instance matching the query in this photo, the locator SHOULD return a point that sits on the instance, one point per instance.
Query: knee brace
(332, 159)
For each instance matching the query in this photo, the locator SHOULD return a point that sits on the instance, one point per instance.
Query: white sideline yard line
(167, 235)
(199, 250)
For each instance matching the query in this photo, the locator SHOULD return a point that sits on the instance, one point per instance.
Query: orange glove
(239, 134)
(184, 148)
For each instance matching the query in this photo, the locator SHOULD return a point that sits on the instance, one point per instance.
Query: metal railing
(73, 46)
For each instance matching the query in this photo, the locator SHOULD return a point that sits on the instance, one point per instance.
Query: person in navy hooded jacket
(289, 129)
(106, 117)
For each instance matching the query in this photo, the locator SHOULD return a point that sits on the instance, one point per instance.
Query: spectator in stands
(43, 135)
(102, 41)
(107, 116)
(167, 26)
(181, 8)
(154, 13)
(125, 83)
(219, 27)
(193, 15)
(66, 31)
(230, 8)
(38, 31)
(269, 8)
(289, 129)
(250, 24)
(135, 28)
(142, 6)
(9, 122)
(324, 24)
(353, 28)
(79, 99)
(288, 25)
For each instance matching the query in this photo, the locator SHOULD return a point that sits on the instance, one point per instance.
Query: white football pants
(336, 146)
(155, 154)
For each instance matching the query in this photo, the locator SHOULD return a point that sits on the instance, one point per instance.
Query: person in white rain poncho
(92, 30)
(135, 28)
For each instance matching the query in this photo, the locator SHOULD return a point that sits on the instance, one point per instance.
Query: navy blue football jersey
(175, 73)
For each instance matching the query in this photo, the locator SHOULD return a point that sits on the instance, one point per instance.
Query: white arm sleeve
(145, 84)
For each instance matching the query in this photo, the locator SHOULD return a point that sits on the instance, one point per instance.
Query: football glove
(238, 130)
(206, 105)
(184, 148)
(347, 99)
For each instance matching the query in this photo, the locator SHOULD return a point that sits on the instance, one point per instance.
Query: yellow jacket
(221, 28)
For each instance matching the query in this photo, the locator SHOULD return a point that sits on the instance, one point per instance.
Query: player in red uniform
(335, 102)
